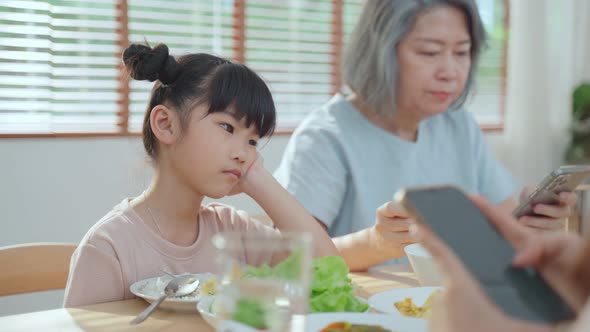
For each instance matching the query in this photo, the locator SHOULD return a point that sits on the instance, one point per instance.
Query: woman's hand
(390, 234)
(551, 217)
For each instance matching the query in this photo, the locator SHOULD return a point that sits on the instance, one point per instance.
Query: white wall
(54, 189)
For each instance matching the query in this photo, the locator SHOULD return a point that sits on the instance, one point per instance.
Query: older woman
(410, 65)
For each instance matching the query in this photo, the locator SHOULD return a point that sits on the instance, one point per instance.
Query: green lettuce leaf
(330, 291)
(250, 312)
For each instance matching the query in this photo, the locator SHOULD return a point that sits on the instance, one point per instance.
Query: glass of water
(264, 281)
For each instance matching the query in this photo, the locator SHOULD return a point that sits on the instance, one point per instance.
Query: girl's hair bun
(146, 63)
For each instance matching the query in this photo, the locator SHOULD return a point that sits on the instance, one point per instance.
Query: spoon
(168, 273)
(178, 286)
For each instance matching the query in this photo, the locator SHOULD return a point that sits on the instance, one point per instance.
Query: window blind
(351, 12)
(186, 26)
(487, 101)
(289, 44)
(59, 59)
(57, 70)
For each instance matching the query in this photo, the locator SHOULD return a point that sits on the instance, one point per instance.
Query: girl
(202, 124)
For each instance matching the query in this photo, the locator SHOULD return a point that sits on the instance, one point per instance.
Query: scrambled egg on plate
(408, 308)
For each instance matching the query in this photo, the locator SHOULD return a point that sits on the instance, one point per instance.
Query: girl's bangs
(236, 86)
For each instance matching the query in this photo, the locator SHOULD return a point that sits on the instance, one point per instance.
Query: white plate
(316, 322)
(152, 288)
(204, 308)
(231, 326)
(383, 301)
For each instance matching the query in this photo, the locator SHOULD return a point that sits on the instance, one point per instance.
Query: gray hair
(370, 63)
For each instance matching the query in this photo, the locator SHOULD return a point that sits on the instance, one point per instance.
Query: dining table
(115, 316)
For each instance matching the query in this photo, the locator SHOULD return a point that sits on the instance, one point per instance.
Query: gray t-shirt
(342, 167)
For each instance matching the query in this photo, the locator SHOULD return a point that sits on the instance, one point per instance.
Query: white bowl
(423, 265)
(204, 308)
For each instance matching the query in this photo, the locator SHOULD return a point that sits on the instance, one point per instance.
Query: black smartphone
(565, 178)
(520, 292)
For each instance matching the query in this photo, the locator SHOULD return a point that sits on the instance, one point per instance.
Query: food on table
(250, 312)
(330, 291)
(209, 287)
(348, 327)
(408, 308)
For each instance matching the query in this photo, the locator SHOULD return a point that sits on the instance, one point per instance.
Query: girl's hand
(390, 234)
(251, 178)
(552, 217)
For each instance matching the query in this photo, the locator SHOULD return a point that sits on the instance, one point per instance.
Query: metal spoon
(168, 273)
(178, 286)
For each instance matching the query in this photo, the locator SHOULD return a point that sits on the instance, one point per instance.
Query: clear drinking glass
(264, 281)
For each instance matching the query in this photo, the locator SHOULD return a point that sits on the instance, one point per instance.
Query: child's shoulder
(110, 227)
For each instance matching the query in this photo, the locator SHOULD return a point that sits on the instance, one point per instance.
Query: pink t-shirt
(120, 250)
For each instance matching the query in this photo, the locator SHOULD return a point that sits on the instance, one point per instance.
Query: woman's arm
(383, 241)
(360, 252)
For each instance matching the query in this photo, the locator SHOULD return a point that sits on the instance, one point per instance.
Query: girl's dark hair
(197, 79)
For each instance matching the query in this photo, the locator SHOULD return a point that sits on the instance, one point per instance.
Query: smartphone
(520, 292)
(565, 178)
